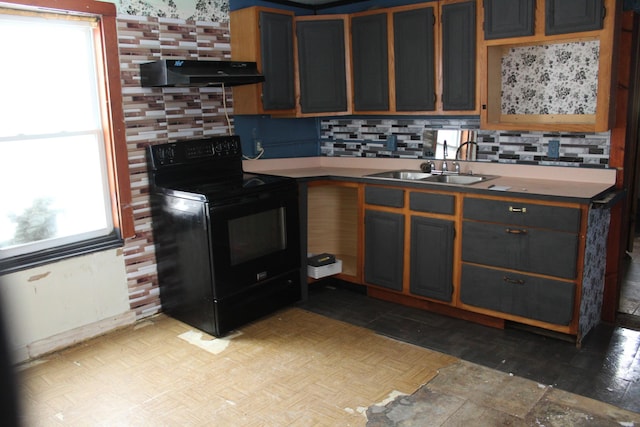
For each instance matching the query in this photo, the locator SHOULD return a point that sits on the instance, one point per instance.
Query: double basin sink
(413, 176)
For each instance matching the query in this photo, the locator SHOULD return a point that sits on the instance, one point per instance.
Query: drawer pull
(517, 210)
(515, 231)
(513, 281)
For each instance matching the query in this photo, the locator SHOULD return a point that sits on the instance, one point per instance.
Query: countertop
(576, 184)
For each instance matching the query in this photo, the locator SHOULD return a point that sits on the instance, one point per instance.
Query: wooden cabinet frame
(335, 224)
(490, 53)
(246, 46)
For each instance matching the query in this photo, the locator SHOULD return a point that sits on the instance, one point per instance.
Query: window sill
(36, 259)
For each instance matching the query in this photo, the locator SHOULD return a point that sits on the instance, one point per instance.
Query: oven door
(255, 239)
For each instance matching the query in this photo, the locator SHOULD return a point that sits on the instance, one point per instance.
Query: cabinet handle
(517, 210)
(513, 281)
(515, 231)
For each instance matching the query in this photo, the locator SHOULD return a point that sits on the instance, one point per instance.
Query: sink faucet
(445, 168)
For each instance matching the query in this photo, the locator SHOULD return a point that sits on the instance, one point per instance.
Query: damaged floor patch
(207, 342)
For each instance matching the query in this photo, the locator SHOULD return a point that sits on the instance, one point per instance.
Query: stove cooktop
(219, 190)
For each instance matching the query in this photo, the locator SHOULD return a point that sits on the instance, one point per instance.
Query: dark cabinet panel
(321, 65)
(459, 56)
(524, 214)
(370, 62)
(276, 35)
(526, 249)
(519, 294)
(508, 18)
(384, 249)
(414, 50)
(433, 203)
(382, 196)
(570, 16)
(432, 258)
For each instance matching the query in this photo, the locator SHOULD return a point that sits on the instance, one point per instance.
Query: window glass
(53, 177)
(453, 141)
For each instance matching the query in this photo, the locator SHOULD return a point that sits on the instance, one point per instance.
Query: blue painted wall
(279, 137)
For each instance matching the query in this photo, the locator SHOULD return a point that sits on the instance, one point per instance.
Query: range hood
(179, 72)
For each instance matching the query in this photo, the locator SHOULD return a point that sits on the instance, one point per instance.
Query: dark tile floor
(606, 368)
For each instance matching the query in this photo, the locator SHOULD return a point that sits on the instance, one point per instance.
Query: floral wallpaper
(192, 10)
(551, 79)
(595, 263)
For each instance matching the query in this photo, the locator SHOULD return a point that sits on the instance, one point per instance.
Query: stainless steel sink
(413, 175)
(459, 179)
(404, 175)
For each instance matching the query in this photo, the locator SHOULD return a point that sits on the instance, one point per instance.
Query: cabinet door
(384, 247)
(276, 35)
(414, 52)
(519, 294)
(508, 18)
(321, 65)
(370, 62)
(570, 16)
(459, 56)
(432, 257)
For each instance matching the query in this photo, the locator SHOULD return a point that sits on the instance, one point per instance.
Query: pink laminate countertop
(580, 183)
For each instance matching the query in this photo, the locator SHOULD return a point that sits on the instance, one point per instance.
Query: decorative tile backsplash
(557, 78)
(409, 138)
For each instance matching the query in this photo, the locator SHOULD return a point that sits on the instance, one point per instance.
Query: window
(61, 188)
(452, 137)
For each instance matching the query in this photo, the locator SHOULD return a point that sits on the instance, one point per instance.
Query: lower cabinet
(431, 258)
(409, 241)
(384, 249)
(486, 258)
(520, 260)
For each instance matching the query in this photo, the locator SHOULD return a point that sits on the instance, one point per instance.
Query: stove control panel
(193, 151)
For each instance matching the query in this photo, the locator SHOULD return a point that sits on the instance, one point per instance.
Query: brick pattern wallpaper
(158, 115)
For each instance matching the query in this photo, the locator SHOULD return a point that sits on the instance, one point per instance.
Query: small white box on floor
(325, 270)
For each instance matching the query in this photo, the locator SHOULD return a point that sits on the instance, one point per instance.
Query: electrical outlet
(258, 145)
(553, 150)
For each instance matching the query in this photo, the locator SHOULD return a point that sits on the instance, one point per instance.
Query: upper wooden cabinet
(570, 16)
(416, 59)
(265, 36)
(323, 66)
(560, 78)
(508, 18)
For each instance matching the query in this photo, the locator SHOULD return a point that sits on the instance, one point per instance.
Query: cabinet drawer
(526, 249)
(531, 297)
(525, 214)
(435, 203)
(393, 197)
